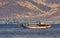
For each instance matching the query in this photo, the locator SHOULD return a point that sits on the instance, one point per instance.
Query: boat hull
(34, 26)
(39, 27)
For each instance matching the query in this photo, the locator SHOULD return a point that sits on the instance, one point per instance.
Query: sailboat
(39, 25)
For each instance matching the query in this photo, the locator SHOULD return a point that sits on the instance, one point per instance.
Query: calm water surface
(14, 31)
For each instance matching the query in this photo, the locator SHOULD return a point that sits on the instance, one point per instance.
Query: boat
(40, 25)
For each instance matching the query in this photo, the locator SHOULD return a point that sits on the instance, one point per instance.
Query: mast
(30, 14)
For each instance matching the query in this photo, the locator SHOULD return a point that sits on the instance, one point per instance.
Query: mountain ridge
(31, 9)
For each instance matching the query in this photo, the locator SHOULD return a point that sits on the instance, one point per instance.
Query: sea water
(15, 31)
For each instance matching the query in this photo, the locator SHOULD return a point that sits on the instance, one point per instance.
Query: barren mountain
(31, 9)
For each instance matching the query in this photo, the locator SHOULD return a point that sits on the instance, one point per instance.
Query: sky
(35, 9)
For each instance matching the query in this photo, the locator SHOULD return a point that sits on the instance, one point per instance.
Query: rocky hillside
(31, 9)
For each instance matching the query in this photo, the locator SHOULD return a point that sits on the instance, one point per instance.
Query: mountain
(30, 9)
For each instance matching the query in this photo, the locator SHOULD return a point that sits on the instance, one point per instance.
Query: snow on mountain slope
(30, 9)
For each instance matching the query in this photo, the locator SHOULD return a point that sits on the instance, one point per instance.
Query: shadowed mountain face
(34, 9)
